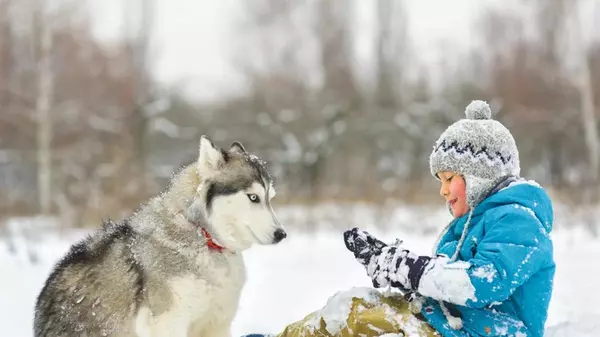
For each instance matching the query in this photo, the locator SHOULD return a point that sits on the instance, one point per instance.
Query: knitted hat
(479, 148)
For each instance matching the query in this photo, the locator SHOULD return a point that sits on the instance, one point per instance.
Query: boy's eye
(449, 178)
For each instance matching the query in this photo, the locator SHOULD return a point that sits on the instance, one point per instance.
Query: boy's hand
(362, 244)
(386, 265)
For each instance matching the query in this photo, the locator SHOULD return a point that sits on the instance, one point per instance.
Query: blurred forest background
(87, 132)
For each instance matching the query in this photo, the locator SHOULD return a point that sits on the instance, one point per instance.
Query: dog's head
(233, 197)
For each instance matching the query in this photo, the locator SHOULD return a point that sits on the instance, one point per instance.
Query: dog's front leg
(167, 324)
(172, 328)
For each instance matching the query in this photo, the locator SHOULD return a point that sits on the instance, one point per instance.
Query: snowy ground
(287, 281)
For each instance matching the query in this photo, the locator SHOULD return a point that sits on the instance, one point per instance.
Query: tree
(582, 79)
(44, 104)
(139, 35)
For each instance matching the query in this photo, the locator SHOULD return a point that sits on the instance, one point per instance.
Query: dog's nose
(279, 235)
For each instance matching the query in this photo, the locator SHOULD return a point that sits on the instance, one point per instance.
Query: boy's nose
(443, 191)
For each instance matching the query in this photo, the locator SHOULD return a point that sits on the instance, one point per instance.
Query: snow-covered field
(287, 281)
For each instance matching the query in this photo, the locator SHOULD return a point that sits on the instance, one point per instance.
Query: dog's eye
(254, 198)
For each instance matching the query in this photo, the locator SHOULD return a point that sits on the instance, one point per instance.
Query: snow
(447, 281)
(526, 209)
(486, 272)
(288, 281)
(587, 326)
(523, 182)
(338, 306)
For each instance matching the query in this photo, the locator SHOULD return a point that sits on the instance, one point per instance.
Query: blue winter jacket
(507, 257)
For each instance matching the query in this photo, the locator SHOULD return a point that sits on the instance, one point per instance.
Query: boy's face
(454, 191)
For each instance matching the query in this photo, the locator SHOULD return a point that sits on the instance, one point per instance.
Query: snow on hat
(479, 148)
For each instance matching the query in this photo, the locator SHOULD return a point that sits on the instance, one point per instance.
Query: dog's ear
(237, 147)
(210, 157)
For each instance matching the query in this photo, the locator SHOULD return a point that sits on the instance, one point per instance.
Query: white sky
(193, 38)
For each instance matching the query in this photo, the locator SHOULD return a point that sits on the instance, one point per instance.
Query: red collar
(210, 242)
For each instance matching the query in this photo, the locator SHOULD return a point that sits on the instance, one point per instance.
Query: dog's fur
(154, 274)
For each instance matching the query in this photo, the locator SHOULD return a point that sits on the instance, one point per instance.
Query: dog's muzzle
(279, 235)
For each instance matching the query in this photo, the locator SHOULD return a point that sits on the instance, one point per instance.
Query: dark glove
(386, 265)
(362, 244)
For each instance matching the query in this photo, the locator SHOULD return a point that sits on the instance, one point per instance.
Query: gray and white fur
(153, 274)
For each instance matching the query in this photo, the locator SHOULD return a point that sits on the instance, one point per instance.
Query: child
(493, 267)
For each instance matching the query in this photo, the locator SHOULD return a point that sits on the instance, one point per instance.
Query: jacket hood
(522, 193)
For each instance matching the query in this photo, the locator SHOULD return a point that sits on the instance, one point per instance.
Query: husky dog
(174, 268)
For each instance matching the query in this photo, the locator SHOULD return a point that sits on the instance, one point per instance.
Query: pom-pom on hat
(479, 148)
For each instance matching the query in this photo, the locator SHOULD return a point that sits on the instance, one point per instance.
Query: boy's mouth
(452, 202)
